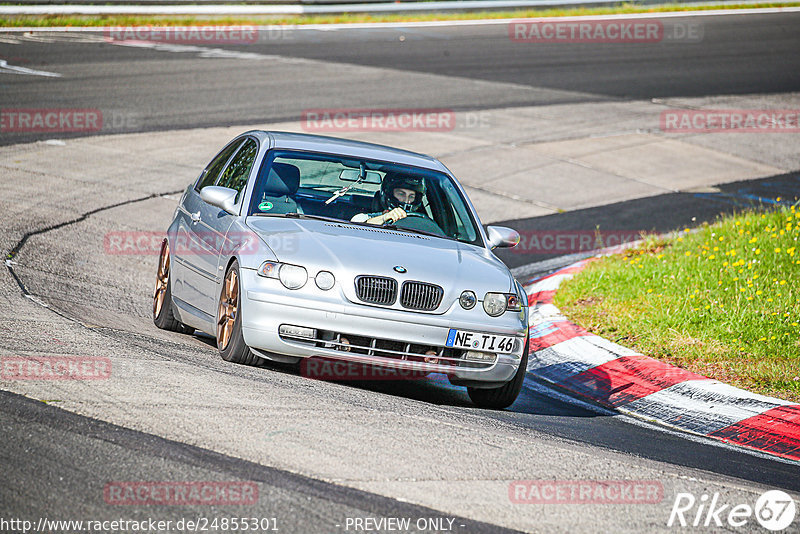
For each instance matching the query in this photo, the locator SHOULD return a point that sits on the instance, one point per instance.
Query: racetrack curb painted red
(567, 356)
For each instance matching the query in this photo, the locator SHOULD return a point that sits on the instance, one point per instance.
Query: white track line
(5, 68)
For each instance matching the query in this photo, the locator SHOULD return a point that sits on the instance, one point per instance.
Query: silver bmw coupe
(290, 246)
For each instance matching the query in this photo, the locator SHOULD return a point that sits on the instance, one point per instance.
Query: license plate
(463, 339)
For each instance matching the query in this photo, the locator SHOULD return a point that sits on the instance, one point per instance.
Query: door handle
(196, 217)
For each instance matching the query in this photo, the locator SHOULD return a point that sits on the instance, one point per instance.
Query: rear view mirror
(351, 175)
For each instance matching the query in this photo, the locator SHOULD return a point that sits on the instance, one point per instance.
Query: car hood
(350, 250)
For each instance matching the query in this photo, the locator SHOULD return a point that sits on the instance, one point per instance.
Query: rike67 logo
(774, 510)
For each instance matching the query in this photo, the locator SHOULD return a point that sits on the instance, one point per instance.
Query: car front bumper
(266, 305)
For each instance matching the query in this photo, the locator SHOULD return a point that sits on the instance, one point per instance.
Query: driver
(399, 195)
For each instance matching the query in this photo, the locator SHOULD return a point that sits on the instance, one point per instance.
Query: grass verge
(17, 21)
(723, 302)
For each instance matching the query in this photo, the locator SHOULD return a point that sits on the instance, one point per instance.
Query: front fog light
(480, 356)
(293, 276)
(324, 280)
(494, 304)
(467, 300)
(297, 331)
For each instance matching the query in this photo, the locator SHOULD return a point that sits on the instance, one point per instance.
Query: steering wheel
(408, 214)
(419, 221)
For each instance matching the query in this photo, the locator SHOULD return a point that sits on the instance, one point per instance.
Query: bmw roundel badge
(400, 269)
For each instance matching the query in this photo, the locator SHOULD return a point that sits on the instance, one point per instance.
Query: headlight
(467, 300)
(324, 280)
(291, 276)
(494, 304)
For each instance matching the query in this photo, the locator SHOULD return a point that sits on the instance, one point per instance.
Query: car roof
(335, 145)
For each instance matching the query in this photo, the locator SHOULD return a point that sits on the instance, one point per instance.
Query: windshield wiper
(315, 217)
(411, 230)
(294, 215)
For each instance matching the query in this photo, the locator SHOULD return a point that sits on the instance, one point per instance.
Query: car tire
(504, 396)
(163, 315)
(230, 341)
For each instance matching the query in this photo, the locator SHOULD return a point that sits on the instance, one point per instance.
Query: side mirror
(223, 198)
(501, 237)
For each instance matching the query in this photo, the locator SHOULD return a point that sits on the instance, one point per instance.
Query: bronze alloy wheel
(228, 307)
(162, 280)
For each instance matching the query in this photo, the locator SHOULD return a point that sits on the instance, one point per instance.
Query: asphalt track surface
(755, 54)
(159, 91)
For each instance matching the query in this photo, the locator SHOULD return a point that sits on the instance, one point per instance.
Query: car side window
(235, 175)
(211, 173)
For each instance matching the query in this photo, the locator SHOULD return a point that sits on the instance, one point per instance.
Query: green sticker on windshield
(265, 206)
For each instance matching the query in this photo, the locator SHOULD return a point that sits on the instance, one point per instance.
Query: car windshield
(364, 192)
